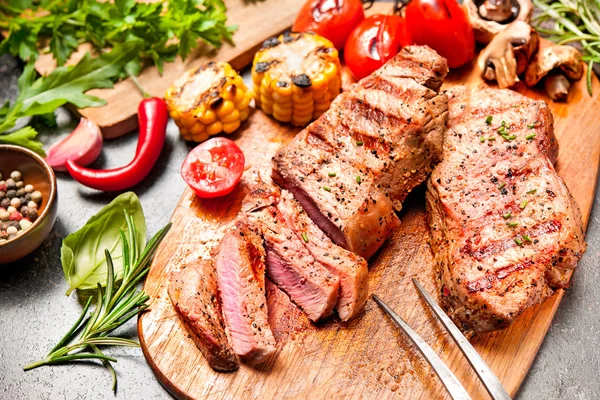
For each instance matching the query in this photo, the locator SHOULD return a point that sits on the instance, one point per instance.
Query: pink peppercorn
(16, 216)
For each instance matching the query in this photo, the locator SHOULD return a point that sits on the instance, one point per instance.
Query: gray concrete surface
(34, 311)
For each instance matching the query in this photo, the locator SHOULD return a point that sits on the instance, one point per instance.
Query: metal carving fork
(452, 384)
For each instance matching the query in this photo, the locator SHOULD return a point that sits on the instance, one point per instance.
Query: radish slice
(83, 146)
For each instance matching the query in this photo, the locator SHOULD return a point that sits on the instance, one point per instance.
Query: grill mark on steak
(482, 252)
(488, 281)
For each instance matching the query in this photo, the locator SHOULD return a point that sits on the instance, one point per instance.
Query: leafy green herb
(82, 253)
(500, 186)
(507, 215)
(519, 241)
(481, 139)
(41, 96)
(304, 237)
(530, 136)
(512, 224)
(526, 238)
(359, 143)
(331, 174)
(532, 191)
(358, 179)
(166, 28)
(530, 126)
(574, 21)
(489, 119)
(327, 188)
(115, 305)
(523, 204)
(492, 138)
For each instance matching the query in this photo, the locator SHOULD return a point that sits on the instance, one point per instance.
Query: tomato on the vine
(373, 42)
(332, 19)
(444, 26)
(213, 168)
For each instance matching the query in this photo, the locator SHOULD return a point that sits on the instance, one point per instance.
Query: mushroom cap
(508, 54)
(484, 29)
(553, 56)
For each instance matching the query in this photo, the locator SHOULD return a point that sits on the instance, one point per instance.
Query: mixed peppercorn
(19, 205)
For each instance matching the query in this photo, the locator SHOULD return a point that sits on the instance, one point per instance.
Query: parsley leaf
(166, 28)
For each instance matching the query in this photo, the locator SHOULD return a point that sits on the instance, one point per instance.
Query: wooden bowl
(37, 172)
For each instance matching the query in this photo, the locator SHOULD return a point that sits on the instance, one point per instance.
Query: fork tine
(454, 387)
(490, 380)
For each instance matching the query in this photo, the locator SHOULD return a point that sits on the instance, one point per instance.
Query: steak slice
(241, 276)
(193, 292)
(289, 263)
(352, 270)
(354, 165)
(506, 232)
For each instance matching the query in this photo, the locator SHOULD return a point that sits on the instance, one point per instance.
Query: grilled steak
(353, 166)
(289, 263)
(193, 292)
(352, 270)
(241, 276)
(506, 232)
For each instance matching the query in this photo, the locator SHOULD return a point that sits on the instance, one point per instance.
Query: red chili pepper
(152, 118)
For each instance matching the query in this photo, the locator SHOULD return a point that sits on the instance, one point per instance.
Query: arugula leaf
(41, 96)
(83, 252)
(69, 84)
(24, 137)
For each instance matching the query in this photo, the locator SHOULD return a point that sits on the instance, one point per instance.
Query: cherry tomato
(333, 19)
(213, 168)
(444, 26)
(373, 42)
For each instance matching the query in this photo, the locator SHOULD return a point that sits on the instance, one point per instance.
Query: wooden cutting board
(256, 21)
(366, 358)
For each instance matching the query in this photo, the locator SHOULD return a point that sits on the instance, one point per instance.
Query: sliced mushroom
(508, 54)
(555, 63)
(490, 17)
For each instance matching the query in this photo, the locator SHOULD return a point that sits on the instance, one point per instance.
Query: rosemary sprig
(115, 305)
(573, 21)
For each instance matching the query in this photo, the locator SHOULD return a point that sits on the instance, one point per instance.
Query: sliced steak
(240, 262)
(353, 166)
(506, 232)
(289, 263)
(193, 292)
(352, 270)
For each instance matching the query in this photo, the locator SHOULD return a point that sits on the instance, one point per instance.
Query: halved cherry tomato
(213, 168)
(444, 26)
(373, 42)
(333, 19)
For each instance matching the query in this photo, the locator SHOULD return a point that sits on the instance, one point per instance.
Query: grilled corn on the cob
(296, 76)
(208, 100)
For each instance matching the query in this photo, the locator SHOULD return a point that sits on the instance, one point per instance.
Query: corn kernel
(197, 129)
(234, 115)
(214, 128)
(226, 108)
(208, 117)
(231, 126)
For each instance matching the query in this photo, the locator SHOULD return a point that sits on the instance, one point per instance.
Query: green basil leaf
(82, 252)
